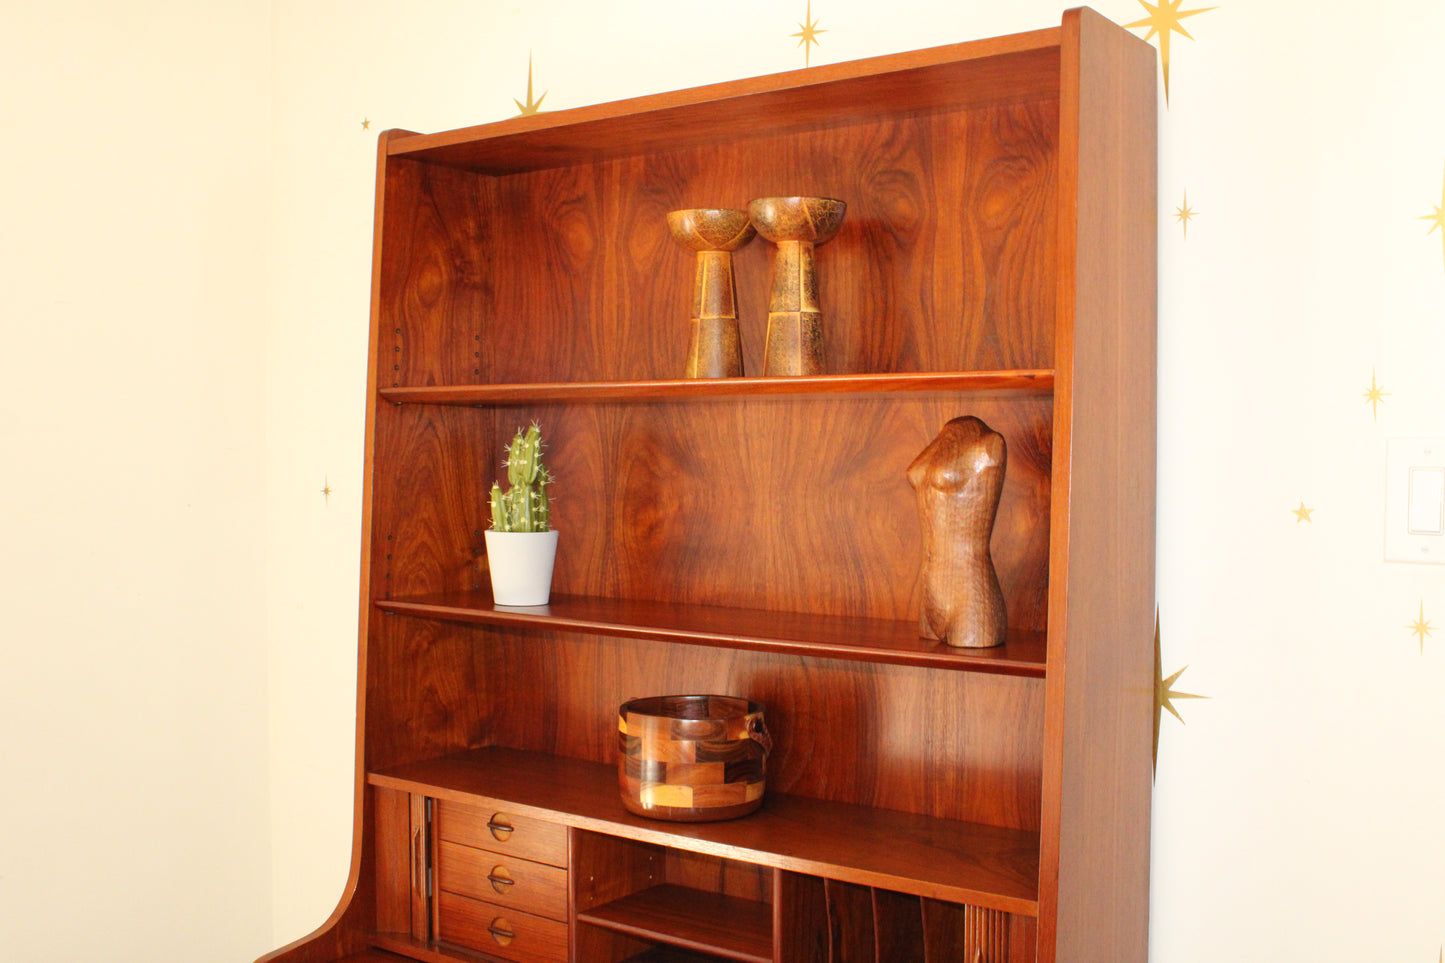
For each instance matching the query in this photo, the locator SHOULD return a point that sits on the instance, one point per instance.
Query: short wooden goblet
(795, 320)
(715, 350)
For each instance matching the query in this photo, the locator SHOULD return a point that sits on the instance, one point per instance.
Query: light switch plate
(1415, 500)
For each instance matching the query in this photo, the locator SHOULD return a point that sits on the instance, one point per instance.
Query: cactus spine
(524, 506)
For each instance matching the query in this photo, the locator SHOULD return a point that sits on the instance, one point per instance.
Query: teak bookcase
(757, 536)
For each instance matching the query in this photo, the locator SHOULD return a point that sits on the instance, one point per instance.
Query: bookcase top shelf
(998, 70)
(1037, 381)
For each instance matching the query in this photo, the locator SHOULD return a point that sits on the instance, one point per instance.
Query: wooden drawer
(499, 831)
(505, 880)
(499, 931)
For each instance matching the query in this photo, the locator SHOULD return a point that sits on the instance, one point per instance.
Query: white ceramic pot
(521, 565)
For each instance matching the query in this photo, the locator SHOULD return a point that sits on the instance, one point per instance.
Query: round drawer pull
(501, 932)
(501, 829)
(500, 879)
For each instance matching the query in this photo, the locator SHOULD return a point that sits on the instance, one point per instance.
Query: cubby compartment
(630, 896)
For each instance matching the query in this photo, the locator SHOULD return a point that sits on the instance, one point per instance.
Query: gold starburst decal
(1375, 396)
(1164, 694)
(366, 123)
(326, 489)
(1420, 628)
(1183, 213)
(1303, 514)
(808, 36)
(1438, 218)
(531, 106)
(1164, 20)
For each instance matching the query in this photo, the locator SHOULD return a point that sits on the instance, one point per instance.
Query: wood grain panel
(435, 268)
(898, 926)
(392, 832)
(550, 316)
(427, 524)
(425, 695)
(902, 288)
(701, 871)
(800, 918)
(851, 936)
(748, 504)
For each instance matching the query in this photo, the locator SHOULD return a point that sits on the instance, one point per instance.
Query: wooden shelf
(791, 633)
(725, 926)
(1033, 381)
(944, 859)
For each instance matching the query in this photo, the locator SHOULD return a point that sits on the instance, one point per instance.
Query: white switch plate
(1414, 500)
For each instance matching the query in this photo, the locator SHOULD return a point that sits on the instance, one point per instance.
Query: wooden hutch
(757, 536)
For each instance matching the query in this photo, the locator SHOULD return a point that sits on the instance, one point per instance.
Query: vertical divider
(970, 934)
(800, 918)
(897, 926)
(391, 829)
(851, 934)
(423, 858)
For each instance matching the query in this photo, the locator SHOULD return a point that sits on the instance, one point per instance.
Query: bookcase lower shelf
(982, 866)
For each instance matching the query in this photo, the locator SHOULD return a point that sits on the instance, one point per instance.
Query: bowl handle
(758, 732)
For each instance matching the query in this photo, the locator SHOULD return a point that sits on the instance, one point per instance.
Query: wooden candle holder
(715, 350)
(795, 319)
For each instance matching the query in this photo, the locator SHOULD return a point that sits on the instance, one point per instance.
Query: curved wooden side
(348, 929)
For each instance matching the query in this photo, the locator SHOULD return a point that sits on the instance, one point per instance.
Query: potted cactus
(521, 545)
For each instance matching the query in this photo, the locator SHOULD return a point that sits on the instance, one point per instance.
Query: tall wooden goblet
(795, 321)
(715, 350)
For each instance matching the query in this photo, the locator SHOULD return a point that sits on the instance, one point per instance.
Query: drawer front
(499, 831)
(499, 931)
(505, 880)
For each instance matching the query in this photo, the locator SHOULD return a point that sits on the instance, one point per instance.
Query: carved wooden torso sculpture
(958, 479)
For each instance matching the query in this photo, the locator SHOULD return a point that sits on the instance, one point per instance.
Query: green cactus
(524, 507)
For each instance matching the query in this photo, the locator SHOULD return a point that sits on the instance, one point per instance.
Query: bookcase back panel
(427, 524)
(787, 505)
(435, 275)
(957, 745)
(784, 505)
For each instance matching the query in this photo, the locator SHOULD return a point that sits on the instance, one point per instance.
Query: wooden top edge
(1034, 380)
(544, 126)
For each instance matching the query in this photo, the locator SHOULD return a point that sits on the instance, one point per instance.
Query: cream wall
(151, 502)
(133, 760)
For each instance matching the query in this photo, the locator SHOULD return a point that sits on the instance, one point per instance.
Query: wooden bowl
(692, 758)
